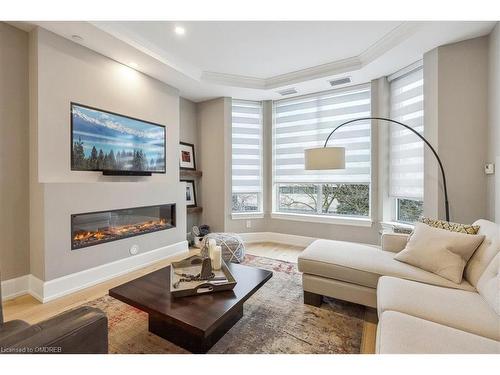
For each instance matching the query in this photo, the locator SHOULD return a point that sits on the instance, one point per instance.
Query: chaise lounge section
(413, 305)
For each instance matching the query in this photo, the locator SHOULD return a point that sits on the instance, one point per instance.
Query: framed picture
(190, 193)
(186, 157)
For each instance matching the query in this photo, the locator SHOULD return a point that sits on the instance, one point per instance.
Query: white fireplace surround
(66, 271)
(51, 225)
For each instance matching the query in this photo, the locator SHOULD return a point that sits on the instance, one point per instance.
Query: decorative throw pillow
(453, 227)
(440, 251)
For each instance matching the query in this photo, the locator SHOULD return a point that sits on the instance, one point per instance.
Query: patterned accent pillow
(452, 227)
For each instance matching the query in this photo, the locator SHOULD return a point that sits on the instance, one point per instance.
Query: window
(246, 156)
(305, 122)
(406, 149)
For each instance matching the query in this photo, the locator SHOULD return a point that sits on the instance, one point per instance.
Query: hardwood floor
(29, 309)
(272, 250)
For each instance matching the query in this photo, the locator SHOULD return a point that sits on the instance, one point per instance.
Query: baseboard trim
(16, 287)
(45, 291)
(286, 239)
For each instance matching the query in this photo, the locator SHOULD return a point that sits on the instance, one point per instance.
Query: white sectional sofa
(419, 312)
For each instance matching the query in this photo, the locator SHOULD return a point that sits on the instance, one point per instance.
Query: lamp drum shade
(322, 158)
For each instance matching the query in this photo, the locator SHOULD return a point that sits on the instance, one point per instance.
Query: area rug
(275, 320)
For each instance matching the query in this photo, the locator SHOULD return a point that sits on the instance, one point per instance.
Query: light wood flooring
(29, 309)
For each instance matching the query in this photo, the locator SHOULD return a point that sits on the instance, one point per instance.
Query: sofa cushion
(440, 251)
(463, 310)
(448, 225)
(485, 252)
(488, 285)
(399, 333)
(363, 265)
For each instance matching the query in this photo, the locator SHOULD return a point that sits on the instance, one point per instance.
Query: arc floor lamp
(334, 157)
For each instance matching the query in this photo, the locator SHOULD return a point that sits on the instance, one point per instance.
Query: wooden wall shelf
(193, 210)
(187, 173)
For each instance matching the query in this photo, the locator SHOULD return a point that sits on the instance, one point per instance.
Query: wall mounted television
(115, 144)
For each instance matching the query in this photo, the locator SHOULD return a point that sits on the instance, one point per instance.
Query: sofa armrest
(394, 242)
(82, 330)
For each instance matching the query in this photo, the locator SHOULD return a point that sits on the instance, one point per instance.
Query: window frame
(394, 201)
(260, 195)
(362, 221)
(397, 210)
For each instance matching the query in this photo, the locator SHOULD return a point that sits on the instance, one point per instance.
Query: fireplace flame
(84, 238)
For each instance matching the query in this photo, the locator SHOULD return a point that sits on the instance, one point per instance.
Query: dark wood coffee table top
(199, 314)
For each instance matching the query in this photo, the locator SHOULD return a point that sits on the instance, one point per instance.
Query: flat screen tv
(106, 141)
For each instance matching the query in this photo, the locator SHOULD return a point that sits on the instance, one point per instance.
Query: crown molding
(390, 40)
(95, 30)
(315, 72)
(234, 80)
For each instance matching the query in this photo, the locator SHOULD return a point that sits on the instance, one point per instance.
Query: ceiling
(255, 59)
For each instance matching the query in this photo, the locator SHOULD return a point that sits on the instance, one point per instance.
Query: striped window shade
(305, 122)
(246, 147)
(406, 149)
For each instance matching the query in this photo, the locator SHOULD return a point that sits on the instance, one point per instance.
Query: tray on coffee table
(192, 266)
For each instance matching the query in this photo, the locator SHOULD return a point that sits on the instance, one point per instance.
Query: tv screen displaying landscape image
(105, 141)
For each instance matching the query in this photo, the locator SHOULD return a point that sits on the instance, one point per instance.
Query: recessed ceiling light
(77, 38)
(179, 30)
(133, 65)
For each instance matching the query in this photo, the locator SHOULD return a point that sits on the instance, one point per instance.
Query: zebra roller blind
(406, 149)
(305, 122)
(246, 146)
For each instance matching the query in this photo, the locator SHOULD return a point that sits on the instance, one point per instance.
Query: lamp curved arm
(447, 208)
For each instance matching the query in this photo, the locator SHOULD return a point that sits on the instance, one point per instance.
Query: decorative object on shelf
(325, 157)
(195, 275)
(115, 144)
(190, 193)
(186, 156)
(232, 247)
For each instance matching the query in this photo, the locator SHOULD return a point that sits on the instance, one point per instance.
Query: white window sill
(392, 224)
(247, 215)
(354, 221)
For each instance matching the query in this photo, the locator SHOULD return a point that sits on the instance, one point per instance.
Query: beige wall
(14, 165)
(63, 72)
(188, 132)
(494, 124)
(458, 106)
(211, 125)
(214, 124)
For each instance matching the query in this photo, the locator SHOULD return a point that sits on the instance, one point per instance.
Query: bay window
(406, 149)
(305, 122)
(246, 156)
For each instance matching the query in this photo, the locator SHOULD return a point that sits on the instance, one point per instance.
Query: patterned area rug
(275, 320)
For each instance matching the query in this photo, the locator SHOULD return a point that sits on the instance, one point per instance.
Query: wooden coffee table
(195, 323)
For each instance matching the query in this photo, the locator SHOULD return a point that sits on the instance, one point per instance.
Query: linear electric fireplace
(93, 228)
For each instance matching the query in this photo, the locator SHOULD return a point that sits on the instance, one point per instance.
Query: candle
(216, 258)
(211, 246)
